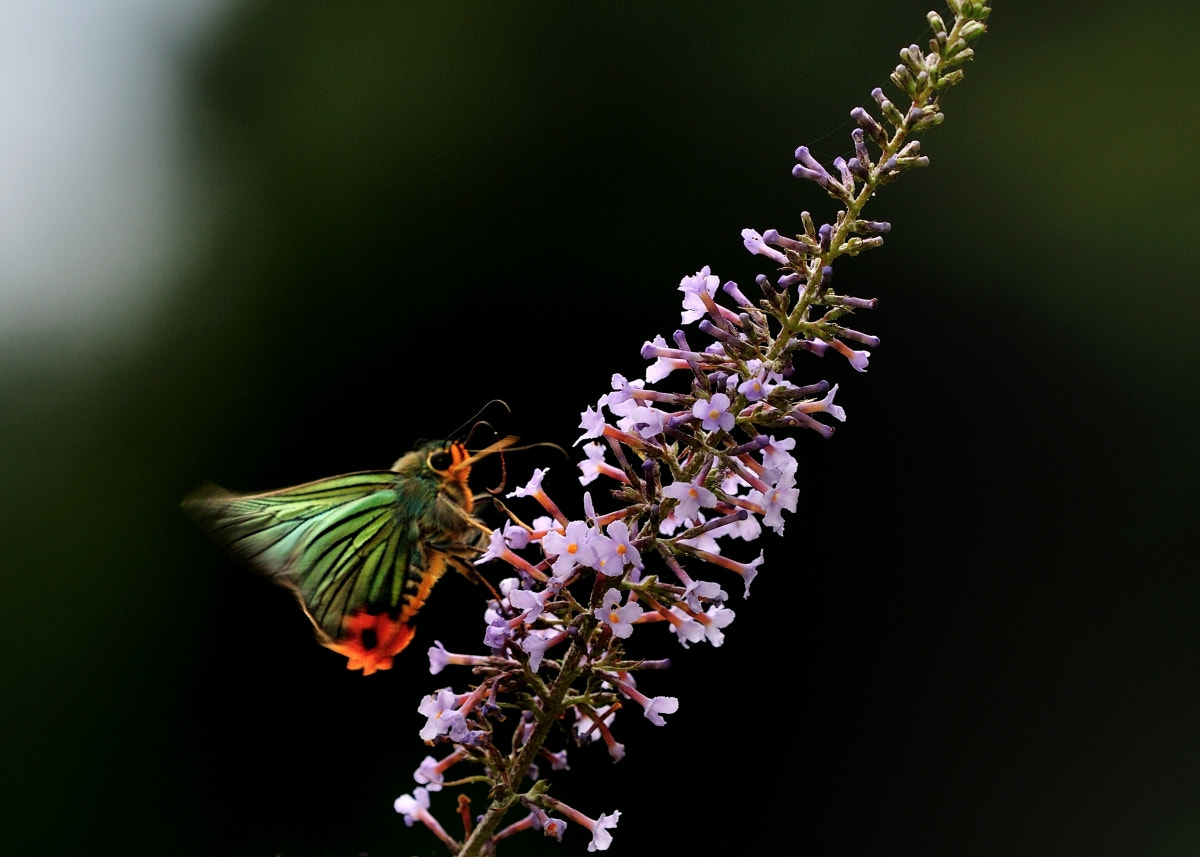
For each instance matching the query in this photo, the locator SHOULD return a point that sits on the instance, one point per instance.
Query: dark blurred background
(261, 242)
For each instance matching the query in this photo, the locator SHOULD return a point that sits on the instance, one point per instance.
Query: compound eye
(440, 461)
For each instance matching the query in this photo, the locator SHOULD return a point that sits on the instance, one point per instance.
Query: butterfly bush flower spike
(690, 466)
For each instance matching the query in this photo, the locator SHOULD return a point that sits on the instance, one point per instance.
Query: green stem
(508, 797)
(797, 320)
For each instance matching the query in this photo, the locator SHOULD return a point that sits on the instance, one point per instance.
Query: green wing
(341, 544)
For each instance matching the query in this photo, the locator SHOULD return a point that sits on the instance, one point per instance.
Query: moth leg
(471, 573)
(450, 513)
(495, 501)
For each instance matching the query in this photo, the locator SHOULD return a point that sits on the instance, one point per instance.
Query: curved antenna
(540, 443)
(458, 431)
(476, 427)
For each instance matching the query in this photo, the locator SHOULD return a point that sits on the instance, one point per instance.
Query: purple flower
(826, 404)
(444, 718)
(533, 486)
(528, 602)
(693, 306)
(621, 400)
(592, 423)
(706, 541)
(591, 467)
(691, 497)
(714, 413)
(718, 617)
(607, 561)
(748, 529)
(570, 549)
(558, 761)
(781, 498)
(686, 629)
(662, 366)
(437, 657)
(858, 359)
(755, 244)
(731, 483)
(644, 420)
(655, 707)
(754, 388)
(620, 619)
(413, 806)
(515, 536)
(775, 455)
(601, 838)
(497, 635)
(554, 827)
(672, 521)
(618, 531)
(495, 549)
(535, 645)
(429, 774)
(749, 571)
(697, 589)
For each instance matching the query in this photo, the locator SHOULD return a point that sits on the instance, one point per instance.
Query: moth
(361, 551)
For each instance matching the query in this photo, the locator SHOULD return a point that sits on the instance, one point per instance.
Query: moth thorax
(410, 464)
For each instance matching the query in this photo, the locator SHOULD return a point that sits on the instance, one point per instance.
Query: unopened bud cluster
(698, 466)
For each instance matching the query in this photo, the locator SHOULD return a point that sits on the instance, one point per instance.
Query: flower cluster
(698, 466)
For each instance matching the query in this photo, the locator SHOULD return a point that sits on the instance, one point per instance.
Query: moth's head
(446, 459)
(441, 459)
